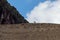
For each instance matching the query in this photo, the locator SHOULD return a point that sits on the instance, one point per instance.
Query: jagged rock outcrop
(9, 14)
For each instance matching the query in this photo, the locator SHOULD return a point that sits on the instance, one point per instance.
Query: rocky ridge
(9, 14)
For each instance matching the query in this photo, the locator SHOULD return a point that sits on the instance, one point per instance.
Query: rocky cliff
(9, 14)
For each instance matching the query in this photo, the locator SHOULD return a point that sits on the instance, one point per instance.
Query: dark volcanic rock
(9, 14)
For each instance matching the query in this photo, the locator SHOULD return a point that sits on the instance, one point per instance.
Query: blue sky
(39, 11)
(24, 6)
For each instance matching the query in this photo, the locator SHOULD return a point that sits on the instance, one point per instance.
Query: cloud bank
(45, 12)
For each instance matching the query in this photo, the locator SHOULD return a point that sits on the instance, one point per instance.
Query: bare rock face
(9, 14)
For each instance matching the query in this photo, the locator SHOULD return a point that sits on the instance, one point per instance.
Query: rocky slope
(9, 14)
(30, 32)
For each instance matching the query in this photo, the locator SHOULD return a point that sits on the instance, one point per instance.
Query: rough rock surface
(9, 14)
(30, 32)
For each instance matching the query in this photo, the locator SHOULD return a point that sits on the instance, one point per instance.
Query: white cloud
(46, 12)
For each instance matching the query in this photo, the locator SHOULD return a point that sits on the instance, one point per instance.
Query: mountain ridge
(9, 14)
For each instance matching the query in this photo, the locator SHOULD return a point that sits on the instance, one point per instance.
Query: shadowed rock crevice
(9, 14)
